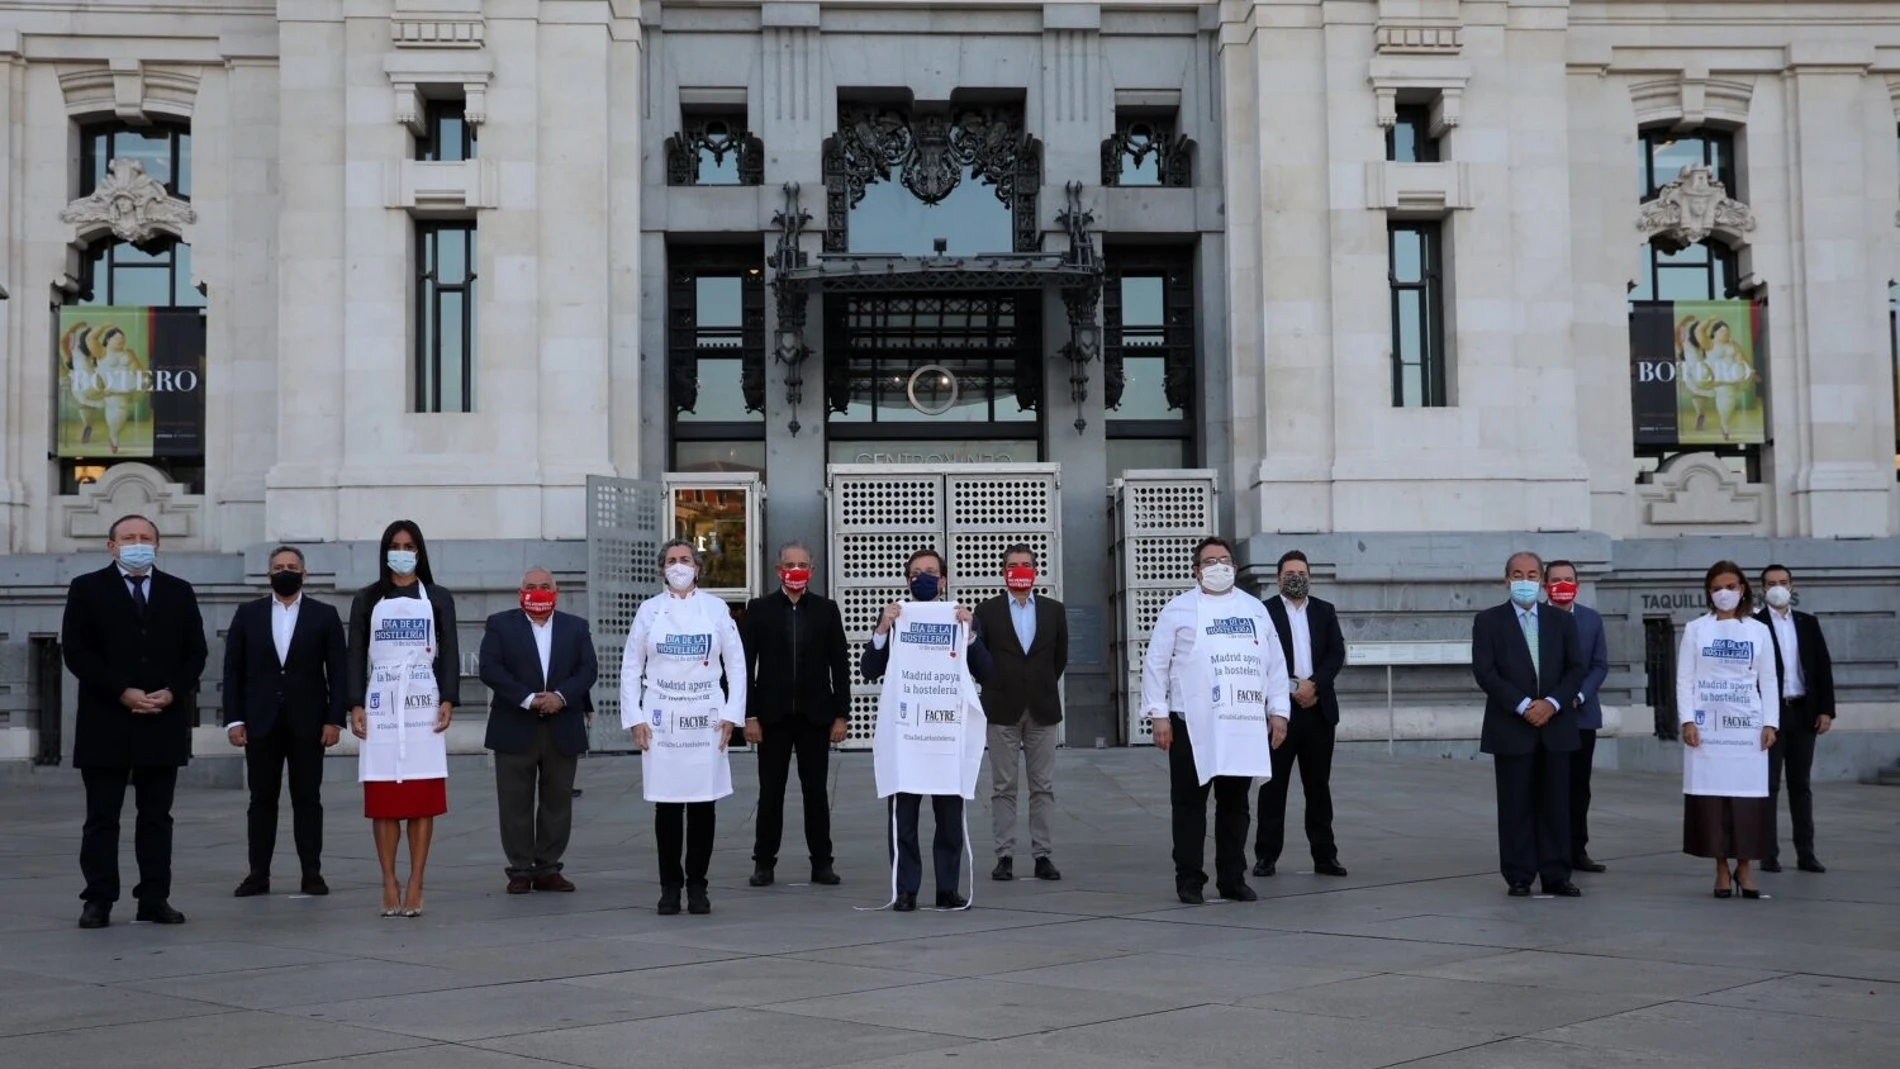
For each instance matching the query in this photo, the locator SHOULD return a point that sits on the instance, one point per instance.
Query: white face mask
(681, 576)
(1217, 578)
(1779, 596)
(1726, 600)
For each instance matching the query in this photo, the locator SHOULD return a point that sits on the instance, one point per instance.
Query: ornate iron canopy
(928, 151)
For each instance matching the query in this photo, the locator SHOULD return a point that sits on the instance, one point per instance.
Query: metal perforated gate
(1156, 517)
(624, 518)
(879, 516)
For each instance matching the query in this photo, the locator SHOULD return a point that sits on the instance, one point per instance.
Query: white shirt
(1173, 642)
(1792, 683)
(283, 624)
(1301, 637)
(543, 645)
(143, 582)
(1537, 656)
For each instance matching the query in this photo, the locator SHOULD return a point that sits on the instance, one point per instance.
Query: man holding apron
(1215, 690)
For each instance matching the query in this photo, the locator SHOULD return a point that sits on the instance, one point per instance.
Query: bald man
(540, 665)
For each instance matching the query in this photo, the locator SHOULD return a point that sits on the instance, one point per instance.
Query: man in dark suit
(798, 701)
(284, 704)
(540, 666)
(1560, 582)
(1530, 728)
(134, 639)
(1315, 651)
(1807, 712)
(1022, 703)
(925, 574)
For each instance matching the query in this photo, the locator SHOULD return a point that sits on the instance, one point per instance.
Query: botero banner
(1698, 372)
(131, 382)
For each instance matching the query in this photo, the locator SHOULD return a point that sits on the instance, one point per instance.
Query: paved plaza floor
(1418, 959)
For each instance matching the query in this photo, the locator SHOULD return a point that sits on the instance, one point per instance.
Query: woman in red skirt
(404, 679)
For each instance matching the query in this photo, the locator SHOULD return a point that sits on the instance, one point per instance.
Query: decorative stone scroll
(127, 488)
(1693, 207)
(131, 205)
(1698, 489)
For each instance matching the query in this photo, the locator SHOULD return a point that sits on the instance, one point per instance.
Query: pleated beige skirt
(1715, 826)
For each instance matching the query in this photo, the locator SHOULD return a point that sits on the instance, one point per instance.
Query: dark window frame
(430, 145)
(429, 357)
(1417, 119)
(1433, 362)
(1179, 349)
(1718, 153)
(93, 162)
(686, 265)
(688, 151)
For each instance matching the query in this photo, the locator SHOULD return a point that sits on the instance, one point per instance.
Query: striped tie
(1530, 638)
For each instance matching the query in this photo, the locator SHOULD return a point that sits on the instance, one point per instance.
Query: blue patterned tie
(1530, 637)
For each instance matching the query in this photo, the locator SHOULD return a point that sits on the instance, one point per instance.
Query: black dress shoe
(1585, 863)
(252, 885)
(906, 902)
(951, 900)
(1770, 865)
(1520, 890)
(825, 876)
(313, 885)
(761, 876)
(1565, 889)
(1046, 869)
(1809, 864)
(159, 911)
(1190, 896)
(1239, 892)
(1263, 868)
(697, 903)
(95, 915)
(1329, 868)
(1005, 870)
(669, 901)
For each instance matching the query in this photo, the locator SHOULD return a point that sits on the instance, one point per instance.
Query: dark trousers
(1581, 763)
(1188, 798)
(534, 838)
(1534, 816)
(778, 742)
(264, 762)
(1309, 743)
(946, 847)
(688, 825)
(1794, 751)
(152, 789)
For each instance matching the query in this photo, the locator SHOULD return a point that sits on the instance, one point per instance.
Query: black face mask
(286, 583)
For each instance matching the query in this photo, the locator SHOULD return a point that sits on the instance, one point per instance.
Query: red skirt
(409, 800)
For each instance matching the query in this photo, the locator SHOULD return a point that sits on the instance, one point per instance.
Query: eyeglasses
(1211, 561)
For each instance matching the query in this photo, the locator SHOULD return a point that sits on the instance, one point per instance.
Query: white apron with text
(402, 702)
(682, 702)
(1728, 714)
(930, 732)
(1227, 689)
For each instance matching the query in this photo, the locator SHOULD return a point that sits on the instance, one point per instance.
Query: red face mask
(1562, 593)
(538, 602)
(795, 579)
(1021, 577)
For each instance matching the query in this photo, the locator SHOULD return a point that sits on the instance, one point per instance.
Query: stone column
(244, 295)
(1087, 565)
(625, 121)
(13, 338)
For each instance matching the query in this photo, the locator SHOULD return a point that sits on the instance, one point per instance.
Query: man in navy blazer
(1560, 582)
(1530, 726)
(540, 665)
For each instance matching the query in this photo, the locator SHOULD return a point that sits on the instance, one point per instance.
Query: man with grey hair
(540, 665)
(798, 701)
(1528, 661)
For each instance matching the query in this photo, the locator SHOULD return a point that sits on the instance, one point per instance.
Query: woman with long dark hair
(404, 686)
(1728, 700)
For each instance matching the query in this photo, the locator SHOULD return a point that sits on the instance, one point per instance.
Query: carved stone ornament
(1699, 490)
(928, 153)
(1693, 207)
(131, 204)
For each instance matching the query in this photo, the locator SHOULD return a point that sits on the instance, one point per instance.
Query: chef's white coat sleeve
(732, 658)
(633, 666)
(1767, 680)
(1279, 685)
(1155, 667)
(1685, 672)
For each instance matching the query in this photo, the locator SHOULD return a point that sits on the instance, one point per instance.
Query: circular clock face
(932, 390)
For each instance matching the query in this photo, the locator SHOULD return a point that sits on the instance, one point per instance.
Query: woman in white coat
(1728, 701)
(683, 641)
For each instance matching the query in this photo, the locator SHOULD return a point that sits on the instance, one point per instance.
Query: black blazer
(109, 648)
(448, 653)
(1024, 680)
(872, 662)
(798, 663)
(1329, 651)
(307, 687)
(1501, 661)
(511, 668)
(1817, 668)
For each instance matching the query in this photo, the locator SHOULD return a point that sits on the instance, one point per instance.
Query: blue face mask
(401, 561)
(1524, 592)
(925, 588)
(137, 556)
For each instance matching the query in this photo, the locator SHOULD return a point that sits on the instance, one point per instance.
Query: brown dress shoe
(519, 885)
(553, 881)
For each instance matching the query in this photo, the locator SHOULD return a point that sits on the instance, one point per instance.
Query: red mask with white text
(1562, 593)
(538, 602)
(795, 579)
(1020, 578)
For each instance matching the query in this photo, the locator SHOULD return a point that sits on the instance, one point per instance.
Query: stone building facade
(1385, 266)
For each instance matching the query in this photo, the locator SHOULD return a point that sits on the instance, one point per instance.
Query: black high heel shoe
(1747, 892)
(1724, 892)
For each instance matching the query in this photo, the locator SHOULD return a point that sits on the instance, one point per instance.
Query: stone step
(1889, 776)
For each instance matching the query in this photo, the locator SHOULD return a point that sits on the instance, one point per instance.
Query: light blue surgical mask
(401, 561)
(137, 556)
(1524, 592)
